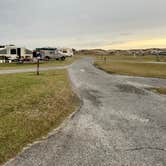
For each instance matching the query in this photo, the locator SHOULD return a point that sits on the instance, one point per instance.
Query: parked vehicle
(3, 59)
(13, 53)
(47, 53)
(67, 51)
(162, 53)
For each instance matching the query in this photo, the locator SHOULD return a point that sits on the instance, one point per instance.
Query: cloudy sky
(108, 24)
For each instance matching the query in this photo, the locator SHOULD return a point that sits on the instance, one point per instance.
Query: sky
(84, 24)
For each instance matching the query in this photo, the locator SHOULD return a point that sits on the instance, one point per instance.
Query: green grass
(68, 61)
(30, 106)
(133, 66)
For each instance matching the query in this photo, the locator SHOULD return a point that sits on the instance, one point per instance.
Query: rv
(47, 53)
(67, 51)
(12, 53)
(162, 53)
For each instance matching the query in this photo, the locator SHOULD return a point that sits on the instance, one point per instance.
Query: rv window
(13, 51)
(51, 52)
(28, 51)
(4, 51)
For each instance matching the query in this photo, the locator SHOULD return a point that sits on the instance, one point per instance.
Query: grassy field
(30, 106)
(133, 66)
(68, 61)
(159, 90)
(122, 58)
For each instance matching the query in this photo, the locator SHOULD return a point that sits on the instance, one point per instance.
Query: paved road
(26, 70)
(119, 124)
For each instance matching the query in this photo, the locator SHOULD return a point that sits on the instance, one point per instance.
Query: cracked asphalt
(119, 124)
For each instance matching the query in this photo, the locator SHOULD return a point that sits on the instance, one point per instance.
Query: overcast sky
(105, 24)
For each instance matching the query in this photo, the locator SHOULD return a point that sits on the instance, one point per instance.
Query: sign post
(38, 60)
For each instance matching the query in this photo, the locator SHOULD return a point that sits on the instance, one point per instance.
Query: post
(157, 57)
(37, 72)
(105, 60)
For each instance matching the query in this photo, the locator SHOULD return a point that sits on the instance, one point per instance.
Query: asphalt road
(119, 124)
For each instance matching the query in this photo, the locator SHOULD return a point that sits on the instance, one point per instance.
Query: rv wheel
(63, 58)
(47, 58)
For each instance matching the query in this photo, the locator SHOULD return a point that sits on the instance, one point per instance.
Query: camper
(13, 53)
(163, 53)
(47, 53)
(67, 51)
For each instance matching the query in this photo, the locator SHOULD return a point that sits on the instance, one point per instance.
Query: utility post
(105, 60)
(157, 57)
(38, 62)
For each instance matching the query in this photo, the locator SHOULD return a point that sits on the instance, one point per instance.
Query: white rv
(47, 53)
(11, 53)
(67, 51)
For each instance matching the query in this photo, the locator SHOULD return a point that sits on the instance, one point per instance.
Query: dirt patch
(130, 89)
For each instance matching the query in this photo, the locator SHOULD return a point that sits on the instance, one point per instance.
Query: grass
(68, 61)
(132, 66)
(159, 90)
(147, 58)
(30, 106)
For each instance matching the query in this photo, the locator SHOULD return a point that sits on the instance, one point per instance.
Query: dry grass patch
(159, 90)
(147, 58)
(131, 67)
(31, 106)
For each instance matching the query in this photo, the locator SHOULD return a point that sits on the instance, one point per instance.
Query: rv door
(19, 52)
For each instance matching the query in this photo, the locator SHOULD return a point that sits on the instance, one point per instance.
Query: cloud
(146, 43)
(94, 23)
(125, 34)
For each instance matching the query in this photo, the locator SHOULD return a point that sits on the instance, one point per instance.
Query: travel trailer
(162, 53)
(67, 51)
(47, 53)
(12, 53)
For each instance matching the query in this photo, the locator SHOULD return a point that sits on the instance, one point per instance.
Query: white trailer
(67, 51)
(12, 52)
